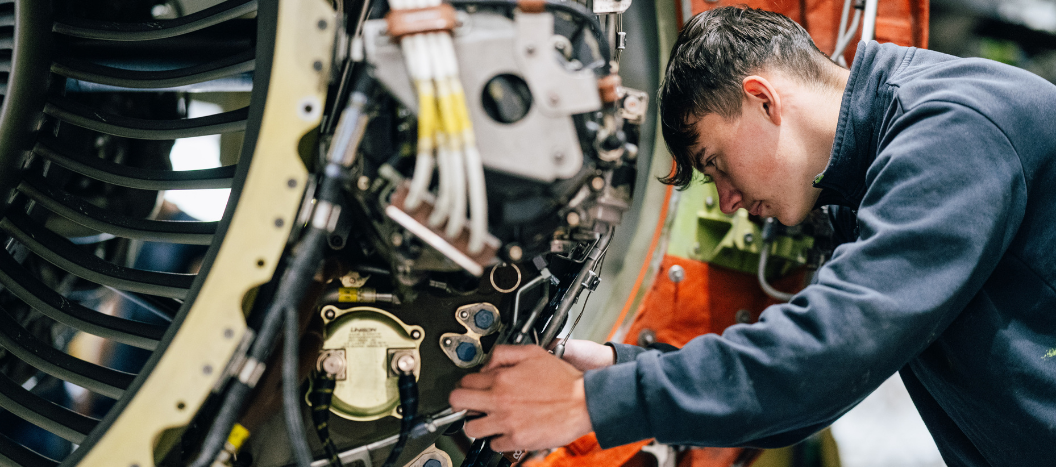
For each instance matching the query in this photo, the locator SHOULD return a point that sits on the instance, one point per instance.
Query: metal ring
(500, 289)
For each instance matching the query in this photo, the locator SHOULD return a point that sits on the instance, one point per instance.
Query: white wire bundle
(444, 127)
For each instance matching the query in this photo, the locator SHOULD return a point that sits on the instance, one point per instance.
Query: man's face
(755, 166)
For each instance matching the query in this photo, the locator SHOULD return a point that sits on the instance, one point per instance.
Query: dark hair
(714, 52)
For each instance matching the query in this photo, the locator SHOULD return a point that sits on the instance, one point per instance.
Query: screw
(329, 314)
(406, 363)
(463, 314)
(748, 237)
(415, 334)
(363, 183)
(676, 274)
(515, 253)
(572, 218)
(447, 342)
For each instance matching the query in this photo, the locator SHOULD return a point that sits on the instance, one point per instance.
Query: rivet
(416, 334)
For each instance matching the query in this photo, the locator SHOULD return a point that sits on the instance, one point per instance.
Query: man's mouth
(756, 209)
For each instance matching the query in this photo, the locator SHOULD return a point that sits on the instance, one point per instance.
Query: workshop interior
(278, 232)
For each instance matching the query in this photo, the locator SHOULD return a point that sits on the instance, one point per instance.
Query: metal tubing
(574, 289)
(869, 24)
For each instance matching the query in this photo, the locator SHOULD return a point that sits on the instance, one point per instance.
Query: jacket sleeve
(944, 199)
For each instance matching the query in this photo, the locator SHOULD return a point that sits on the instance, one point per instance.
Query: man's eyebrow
(699, 155)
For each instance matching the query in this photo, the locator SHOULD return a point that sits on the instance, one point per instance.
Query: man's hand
(588, 355)
(531, 400)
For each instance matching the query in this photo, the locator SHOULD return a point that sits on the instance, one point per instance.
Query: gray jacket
(950, 167)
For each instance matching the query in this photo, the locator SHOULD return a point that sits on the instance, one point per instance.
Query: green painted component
(702, 232)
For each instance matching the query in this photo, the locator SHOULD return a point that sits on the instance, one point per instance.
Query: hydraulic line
(570, 297)
(305, 258)
(769, 232)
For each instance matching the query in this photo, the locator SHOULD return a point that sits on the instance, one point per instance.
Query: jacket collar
(865, 101)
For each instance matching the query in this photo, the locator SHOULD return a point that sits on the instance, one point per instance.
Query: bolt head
(363, 183)
(466, 352)
(329, 314)
(484, 319)
(415, 334)
(448, 342)
(463, 314)
(748, 237)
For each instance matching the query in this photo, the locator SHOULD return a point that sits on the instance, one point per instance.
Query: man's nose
(729, 198)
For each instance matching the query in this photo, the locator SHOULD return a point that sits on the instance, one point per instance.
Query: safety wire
(445, 135)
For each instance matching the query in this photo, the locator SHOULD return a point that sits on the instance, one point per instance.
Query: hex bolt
(676, 274)
(484, 319)
(466, 352)
(432, 463)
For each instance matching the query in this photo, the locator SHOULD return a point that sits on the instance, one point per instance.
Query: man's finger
(471, 399)
(482, 427)
(509, 355)
(477, 381)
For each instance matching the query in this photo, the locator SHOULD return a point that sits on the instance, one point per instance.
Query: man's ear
(761, 95)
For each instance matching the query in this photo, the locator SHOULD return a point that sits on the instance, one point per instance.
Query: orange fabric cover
(585, 451)
(903, 22)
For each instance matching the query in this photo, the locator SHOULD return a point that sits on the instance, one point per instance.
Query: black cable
(574, 9)
(322, 394)
(408, 387)
(291, 405)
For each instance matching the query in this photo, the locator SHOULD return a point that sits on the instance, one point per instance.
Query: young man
(945, 170)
